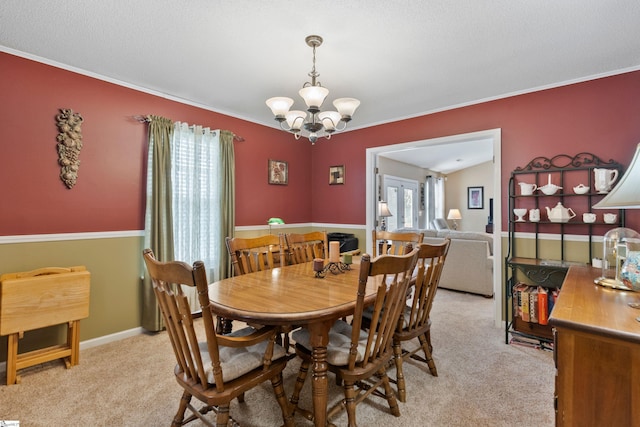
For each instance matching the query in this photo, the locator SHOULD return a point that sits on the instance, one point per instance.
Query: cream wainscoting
(115, 262)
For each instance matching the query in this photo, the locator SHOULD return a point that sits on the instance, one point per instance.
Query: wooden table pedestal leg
(319, 340)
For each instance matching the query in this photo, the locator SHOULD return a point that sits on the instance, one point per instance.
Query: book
(543, 310)
(553, 296)
(524, 303)
(533, 305)
(517, 299)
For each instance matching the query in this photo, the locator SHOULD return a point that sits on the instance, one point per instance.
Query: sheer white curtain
(434, 187)
(439, 197)
(196, 198)
(195, 155)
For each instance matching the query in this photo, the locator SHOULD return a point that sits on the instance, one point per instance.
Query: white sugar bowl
(580, 189)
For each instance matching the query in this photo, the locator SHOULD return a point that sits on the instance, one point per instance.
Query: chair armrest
(262, 334)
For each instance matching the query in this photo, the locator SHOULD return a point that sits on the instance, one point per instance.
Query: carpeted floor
(481, 382)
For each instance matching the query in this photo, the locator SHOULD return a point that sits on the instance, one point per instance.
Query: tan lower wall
(116, 268)
(115, 265)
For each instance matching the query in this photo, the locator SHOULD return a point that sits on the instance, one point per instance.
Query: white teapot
(560, 213)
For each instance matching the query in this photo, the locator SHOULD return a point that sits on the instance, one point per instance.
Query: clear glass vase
(614, 254)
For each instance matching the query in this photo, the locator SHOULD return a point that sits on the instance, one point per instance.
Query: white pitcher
(604, 179)
(527, 189)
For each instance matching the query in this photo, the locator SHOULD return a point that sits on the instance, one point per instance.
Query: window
(196, 194)
(196, 197)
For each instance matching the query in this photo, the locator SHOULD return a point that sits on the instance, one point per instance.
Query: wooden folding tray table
(37, 299)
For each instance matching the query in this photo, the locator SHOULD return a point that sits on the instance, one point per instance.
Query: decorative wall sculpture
(69, 145)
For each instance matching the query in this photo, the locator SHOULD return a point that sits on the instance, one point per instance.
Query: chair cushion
(406, 313)
(237, 361)
(339, 343)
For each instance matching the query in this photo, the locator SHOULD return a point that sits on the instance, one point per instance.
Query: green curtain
(228, 192)
(159, 216)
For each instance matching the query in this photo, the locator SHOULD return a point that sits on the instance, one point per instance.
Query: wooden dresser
(597, 353)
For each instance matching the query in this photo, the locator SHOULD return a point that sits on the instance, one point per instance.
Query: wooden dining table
(292, 295)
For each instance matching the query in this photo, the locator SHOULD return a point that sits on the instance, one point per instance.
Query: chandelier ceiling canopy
(318, 123)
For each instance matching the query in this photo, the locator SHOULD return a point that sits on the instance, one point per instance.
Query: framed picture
(475, 197)
(278, 172)
(336, 175)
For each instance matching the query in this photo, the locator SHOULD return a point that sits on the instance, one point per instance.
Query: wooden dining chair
(305, 247)
(255, 253)
(214, 369)
(358, 358)
(415, 320)
(249, 255)
(392, 243)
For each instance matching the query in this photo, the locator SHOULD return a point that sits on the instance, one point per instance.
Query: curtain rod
(146, 119)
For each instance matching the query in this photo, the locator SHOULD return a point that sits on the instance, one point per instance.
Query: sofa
(469, 264)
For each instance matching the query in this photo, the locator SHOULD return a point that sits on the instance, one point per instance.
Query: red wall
(109, 193)
(600, 116)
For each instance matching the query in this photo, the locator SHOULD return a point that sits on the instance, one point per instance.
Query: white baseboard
(111, 338)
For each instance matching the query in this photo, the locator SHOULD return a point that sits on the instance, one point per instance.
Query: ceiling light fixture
(317, 123)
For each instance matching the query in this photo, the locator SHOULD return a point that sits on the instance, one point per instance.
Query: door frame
(496, 136)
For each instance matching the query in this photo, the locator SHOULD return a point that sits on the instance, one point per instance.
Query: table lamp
(383, 213)
(455, 215)
(625, 195)
(274, 221)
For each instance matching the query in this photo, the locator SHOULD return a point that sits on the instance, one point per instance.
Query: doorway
(373, 183)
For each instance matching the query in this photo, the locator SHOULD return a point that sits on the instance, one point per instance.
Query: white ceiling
(401, 58)
(445, 158)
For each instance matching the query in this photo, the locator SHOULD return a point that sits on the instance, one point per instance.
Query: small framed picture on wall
(278, 172)
(336, 175)
(475, 197)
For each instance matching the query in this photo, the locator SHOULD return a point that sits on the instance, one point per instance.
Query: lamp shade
(329, 120)
(383, 209)
(314, 96)
(454, 214)
(346, 107)
(279, 105)
(626, 194)
(274, 221)
(295, 119)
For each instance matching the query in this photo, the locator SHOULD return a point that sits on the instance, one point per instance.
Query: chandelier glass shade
(314, 121)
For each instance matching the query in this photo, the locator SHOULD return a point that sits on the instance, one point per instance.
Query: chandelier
(318, 123)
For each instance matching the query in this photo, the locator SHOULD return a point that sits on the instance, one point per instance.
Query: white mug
(589, 217)
(610, 218)
(534, 215)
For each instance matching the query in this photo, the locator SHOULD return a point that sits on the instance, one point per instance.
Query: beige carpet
(481, 382)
